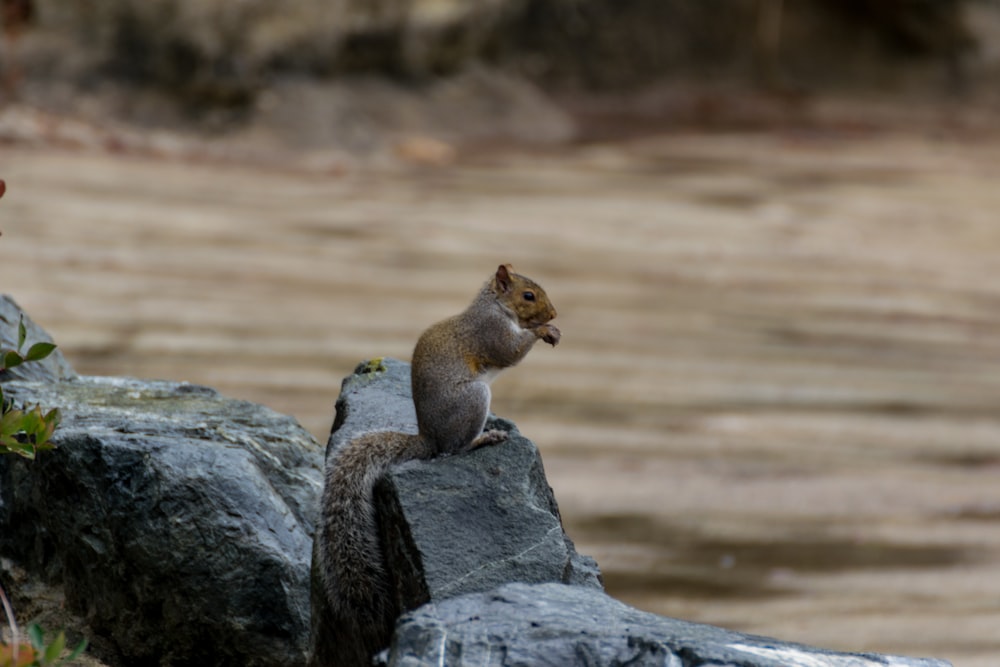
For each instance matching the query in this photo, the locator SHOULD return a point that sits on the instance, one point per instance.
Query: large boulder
(557, 625)
(480, 520)
(178, 521)
(452, 525)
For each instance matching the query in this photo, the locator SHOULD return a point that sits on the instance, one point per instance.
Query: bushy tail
(351, 561)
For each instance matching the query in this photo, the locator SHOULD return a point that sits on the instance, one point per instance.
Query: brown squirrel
(453, 364)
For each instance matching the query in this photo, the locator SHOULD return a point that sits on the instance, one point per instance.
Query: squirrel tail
(352, 563)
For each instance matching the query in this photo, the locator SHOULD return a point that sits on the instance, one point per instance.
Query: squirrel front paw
(549, 333)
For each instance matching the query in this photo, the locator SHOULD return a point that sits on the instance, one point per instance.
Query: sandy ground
(774, 407)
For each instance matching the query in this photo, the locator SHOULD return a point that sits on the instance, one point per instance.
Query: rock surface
(483, 519)
(553, 624)
(178, 520)
(452, 525)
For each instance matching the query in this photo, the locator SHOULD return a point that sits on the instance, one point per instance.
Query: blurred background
(769, 228)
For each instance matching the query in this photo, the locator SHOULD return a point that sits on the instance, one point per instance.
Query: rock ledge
(554, 624)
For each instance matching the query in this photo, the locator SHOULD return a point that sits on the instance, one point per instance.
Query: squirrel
(453, 364)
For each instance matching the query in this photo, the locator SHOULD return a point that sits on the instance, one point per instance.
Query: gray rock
(483, 495)
(557, 625)
(375, 397)
(456, 524)
(53, 367)
(482, 519)
(178, 520)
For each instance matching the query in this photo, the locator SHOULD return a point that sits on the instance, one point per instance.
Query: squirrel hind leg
(487, 438)
(457, 418)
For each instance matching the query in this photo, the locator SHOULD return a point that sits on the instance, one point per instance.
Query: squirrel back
(453, 363)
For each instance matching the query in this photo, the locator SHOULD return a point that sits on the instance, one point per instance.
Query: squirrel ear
(503, 277)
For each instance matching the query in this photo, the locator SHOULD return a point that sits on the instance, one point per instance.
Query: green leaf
(51, 422)
(39, 351)
(17, 422)
(52, 419)
(76, 652)
(22, 332)
(31, 421)
(20, 448)
(55, 649)
(10, 360)
(36, 636)
(10, 423)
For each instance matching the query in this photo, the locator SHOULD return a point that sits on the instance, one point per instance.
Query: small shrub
(25, 431)
(34, 652)
(37, 653)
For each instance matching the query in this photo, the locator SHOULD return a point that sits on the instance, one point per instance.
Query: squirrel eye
(529, 296)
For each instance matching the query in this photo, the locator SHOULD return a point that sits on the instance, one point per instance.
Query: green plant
(25, 431)
(34, 652)
(37, 653)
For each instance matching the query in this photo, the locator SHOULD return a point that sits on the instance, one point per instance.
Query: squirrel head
(522, 296)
